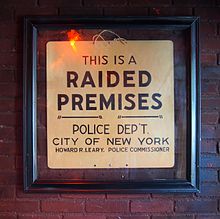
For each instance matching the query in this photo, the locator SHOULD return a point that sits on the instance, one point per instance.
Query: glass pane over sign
(110, 104)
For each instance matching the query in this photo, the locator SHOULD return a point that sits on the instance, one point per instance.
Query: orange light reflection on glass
(73, 36)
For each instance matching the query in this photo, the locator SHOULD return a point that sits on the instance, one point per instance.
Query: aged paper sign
(110, 105)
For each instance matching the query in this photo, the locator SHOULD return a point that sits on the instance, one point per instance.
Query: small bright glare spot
(73, 36)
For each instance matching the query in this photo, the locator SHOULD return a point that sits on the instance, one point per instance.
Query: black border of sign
(31, 181)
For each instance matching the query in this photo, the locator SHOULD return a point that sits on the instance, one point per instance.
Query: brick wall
(15, 204)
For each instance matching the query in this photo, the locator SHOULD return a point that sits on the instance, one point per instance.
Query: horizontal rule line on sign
(127, 117)
(80, 117)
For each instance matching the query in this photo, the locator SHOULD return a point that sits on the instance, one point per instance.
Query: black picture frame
(31, 181)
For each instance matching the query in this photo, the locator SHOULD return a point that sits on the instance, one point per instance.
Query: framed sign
(111, 104)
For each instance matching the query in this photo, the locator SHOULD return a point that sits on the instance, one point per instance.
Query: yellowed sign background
(126, 138)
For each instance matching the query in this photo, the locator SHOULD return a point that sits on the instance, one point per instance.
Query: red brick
(81, 11)
(58, 3)
(11, 119)
(208, 146)
(18, 162)
(128, 217)
(208, 59)
(209, 131)
(8, 148)
(208, 13)
(211, 103)
(209, 87)
(62, 206)
(7, 162)
(128, 11)
(84, 217)
(207, 217)
(194, 2)
(10, 105)
(128, 196)
(196, 206)
(209, 175)
(38, 216)
(83, 196)
(8, 59)
(24, 3)
(171, 196)
(8, 216)
(6, 75)
(7, 192)
(210, 44)
(7, 45)
(10, 30)
(210, 72)
(210, 190)
(19, 47)
(173, 217)
(104, 3)
(208, 29)
(152, 206)
(168, 11)
(210, 162)
(22, 11)
(19, 134)
(148, 3)
(19, 206)
(99, 206)
(9, 89)
(210, 118)
(6, 14)
(206, 3)
(7, 133)
(8, 178)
